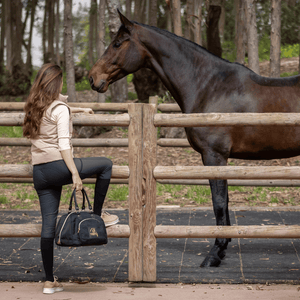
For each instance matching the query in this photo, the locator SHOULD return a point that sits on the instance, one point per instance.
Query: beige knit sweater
(45, 148)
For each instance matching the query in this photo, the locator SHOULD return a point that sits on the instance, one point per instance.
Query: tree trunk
(57, 22)
(275, 38)
(17, 82)
(44, 33)
(29, 61)
(252, 36)
(222, 21)
(17, 36)
(69, 59)
(212, 31)
(169, 16)
(139, 11)
(188, 20)
(119, 89)
(240, 31)
(177, 17)
(101, 39)
(128, 9)
(92, 15)
(8, 29)
(153, 13)
(197, 22)
(51, 31)
(2, 35)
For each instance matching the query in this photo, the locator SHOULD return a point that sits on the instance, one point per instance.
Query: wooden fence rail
(75, 142)
(121, 120)
(226, 172)
(34, 230)
(268, 231)
(19, 106)
(226, 119)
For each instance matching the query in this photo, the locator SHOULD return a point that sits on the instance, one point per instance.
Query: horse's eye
(117, 45)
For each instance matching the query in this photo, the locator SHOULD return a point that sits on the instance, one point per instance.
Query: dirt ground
(33, 291)
(167, 157)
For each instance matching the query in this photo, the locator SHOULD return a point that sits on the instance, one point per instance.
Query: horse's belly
(265, 143)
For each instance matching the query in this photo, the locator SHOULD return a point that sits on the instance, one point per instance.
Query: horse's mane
(192, 44)
(267, 81)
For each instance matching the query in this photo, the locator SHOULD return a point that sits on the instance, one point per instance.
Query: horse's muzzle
(95, 88)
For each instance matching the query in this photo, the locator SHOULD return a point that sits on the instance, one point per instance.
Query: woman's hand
(68, 158)
(88, 111)
(83, 110)
(77, 182)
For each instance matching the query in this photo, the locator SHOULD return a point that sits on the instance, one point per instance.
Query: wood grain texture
(135, 160)
(226, 172)
(149, 211)
(253, 231)
(226, 119)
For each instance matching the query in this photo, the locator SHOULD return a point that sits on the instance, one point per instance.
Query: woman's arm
(68, 158)
(75, 110)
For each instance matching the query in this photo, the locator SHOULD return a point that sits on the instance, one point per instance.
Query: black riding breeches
(49, 178)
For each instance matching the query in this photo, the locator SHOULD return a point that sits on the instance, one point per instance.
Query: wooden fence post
(135, 159)
(149, 210)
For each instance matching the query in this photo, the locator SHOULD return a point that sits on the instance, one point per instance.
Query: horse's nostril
(91, 81)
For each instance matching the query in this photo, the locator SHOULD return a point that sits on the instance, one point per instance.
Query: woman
(48, 125)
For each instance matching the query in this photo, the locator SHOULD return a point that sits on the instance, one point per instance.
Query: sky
(37, 38)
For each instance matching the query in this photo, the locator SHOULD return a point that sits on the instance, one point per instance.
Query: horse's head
(123, 56)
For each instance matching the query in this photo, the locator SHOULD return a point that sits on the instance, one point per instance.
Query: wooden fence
(131, 118)
(143, 174)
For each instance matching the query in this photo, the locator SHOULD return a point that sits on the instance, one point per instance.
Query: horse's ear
(125, 21)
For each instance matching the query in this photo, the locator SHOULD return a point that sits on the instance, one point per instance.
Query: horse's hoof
(210, 261)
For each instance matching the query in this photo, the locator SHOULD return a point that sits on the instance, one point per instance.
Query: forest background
(244, 31)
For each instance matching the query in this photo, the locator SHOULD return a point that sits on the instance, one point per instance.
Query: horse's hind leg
(219, 192)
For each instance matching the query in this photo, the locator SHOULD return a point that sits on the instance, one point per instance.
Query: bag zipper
(86, 220)
(62, 227)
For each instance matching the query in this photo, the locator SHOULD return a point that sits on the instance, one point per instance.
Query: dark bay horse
(203, 83)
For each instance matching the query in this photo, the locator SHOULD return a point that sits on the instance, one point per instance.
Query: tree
(92, 30)
(188, 21)
(275, 38)
(197, 21)
(252, 36)
(153, 13)
(8, 29)
(240, 30)
(50, 55)
(212, 31)
(2, 35)
(33, 4)
(128, 9)
(119, 89)
(176, 17)
(222, 21)
(101, 39)
(68, 45)
(57, 23)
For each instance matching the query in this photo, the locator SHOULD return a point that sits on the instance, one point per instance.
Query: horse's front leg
(219, 191)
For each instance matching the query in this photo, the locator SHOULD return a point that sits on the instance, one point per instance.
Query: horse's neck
(180, 67)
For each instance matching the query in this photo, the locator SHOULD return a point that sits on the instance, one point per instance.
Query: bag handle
(84, 196)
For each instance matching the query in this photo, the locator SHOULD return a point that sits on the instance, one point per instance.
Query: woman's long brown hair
(44, 91)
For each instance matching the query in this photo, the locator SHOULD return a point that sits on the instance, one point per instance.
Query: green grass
(3, 199)
(117, 193)
(11, 131)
